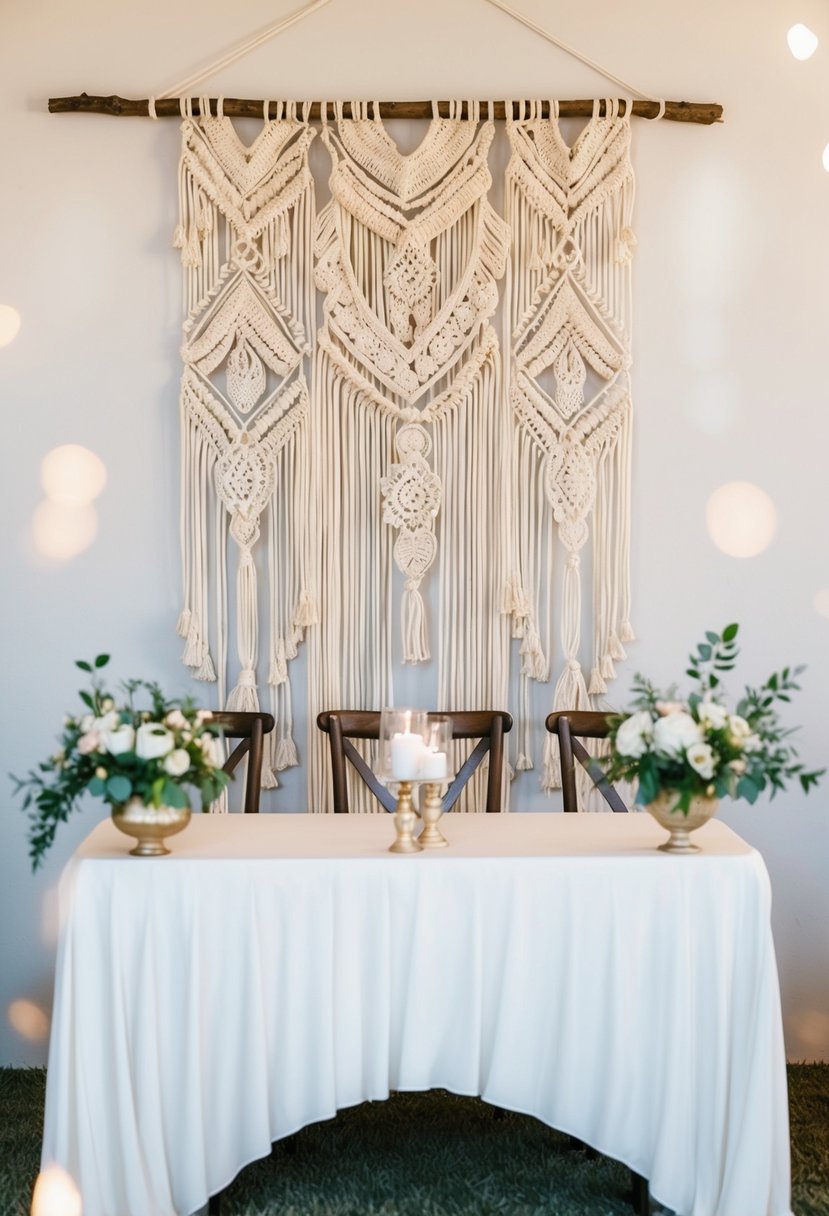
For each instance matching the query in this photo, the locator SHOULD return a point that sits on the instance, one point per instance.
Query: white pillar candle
(433, 766)
(406, 756)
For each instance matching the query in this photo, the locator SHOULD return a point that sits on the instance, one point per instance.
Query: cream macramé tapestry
(420, 498)
(245, 233)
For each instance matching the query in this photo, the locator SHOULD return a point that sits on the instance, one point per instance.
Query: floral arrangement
(117, 752)
(698, 746)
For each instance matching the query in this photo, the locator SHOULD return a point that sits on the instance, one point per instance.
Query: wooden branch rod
(124, 107)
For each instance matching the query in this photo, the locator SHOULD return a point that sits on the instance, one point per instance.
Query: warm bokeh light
(821, 601)
(62, 532)
(9, 324)
(802, 42)
(55, 1194)
(812, 1028)
(741, 519)
(72, 475)
(29, 1020)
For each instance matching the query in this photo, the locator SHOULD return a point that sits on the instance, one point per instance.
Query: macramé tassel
(183, 623)
(286, 754)
(597, 686)
(615, 648)
(626, 633)
(306, 611)
(413, 625)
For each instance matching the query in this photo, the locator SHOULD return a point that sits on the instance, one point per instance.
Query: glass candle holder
(435, 762)
(402, 744)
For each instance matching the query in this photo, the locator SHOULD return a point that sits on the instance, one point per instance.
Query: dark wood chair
(250, 729)
(487, 726)
(571, 726)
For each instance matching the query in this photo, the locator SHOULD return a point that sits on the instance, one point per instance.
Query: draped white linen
(278, 968)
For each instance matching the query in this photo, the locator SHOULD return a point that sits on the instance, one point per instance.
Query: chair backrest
(251, 729)
(571, 726)
(487, 726)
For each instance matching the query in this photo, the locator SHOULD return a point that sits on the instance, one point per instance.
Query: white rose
(671, 707)
(738, 767)
(176, 720)
(107, 704)
(204, 715)
(106, 723)
(712, 714)
(634, 734)
(86, 722)
(177, 762)
(122, 739)
(152, 741)
(738, 729)
(701, 759)
(675, 733)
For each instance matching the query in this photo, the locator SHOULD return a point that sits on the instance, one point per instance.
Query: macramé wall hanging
(428, 465)
(245, 233)
(570, 212)
(408, 413)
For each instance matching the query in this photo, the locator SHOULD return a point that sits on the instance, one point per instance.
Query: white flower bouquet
(118, 752)
(698, 747)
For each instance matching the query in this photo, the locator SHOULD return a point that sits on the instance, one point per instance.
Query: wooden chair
(487, 726)
(571, 726)
(251, 729)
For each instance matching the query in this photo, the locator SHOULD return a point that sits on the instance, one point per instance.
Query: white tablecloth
(277, 968)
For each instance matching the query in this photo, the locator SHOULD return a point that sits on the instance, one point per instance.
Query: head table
(277, 968)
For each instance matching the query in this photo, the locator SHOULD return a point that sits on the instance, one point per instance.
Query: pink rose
(90, 742)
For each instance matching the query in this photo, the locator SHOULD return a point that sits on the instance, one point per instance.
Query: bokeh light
(821, 601)
(55, 1194)
(61, 532)
(29, 1020)
(802, 41)
(741, 519)
(72, 475)
(9, 324)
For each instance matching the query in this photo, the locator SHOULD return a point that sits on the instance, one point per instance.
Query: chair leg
(640, 1194)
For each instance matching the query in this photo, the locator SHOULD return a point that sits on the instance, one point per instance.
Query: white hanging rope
(278, 27)
(570, 50)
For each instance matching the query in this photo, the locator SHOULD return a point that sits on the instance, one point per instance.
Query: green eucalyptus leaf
(174, 795)
(730, 632)
(101, 660)
(118, 787)
(84, 666)
(96, 787)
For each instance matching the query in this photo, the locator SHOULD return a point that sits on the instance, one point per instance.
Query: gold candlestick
(430, 812)
(404, 821)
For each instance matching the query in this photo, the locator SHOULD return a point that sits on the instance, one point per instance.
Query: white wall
(730, 378)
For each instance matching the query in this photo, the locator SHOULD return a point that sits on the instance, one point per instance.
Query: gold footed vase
(678, 824)
(430, 812)
(149, 825)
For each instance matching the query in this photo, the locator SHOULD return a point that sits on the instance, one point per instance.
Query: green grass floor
(425, 1155)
